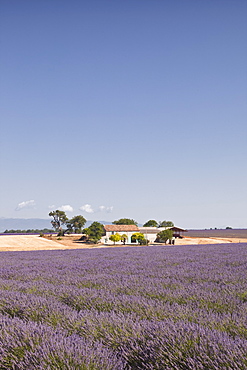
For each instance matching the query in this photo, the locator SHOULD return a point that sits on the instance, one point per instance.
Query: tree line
(150, 223)
(29, 231)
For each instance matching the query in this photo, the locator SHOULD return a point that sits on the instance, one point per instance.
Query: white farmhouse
(150, 233)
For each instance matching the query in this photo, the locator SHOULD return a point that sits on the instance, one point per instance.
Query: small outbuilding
(177, 231)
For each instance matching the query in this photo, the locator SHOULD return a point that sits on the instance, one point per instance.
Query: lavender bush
(153, 308)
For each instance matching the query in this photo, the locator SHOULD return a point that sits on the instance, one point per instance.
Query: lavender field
(182, 307)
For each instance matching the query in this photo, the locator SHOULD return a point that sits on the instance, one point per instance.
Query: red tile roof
(121, 228)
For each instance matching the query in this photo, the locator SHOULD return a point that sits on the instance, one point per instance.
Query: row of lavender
(125, 308)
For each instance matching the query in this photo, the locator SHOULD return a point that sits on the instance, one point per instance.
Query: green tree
(124, 237)
(138, 237)
(76, 224)
(166, 224)
(164, 235)
(85, 231)
(125, 221)
(151, 223)
(115, 238)
(59, 219)
(94, 232)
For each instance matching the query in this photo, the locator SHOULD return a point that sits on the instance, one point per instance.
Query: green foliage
(125, 221)
(76, 224)
(166, 224)
(86, 231)
(94, 232)
(151, 223)
(138, 237)
(144, 241)
(124, 237)
(164, 235)
(115, 238)
(243, 296)
(59, 219)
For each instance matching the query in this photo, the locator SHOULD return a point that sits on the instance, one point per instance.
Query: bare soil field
(34, 242)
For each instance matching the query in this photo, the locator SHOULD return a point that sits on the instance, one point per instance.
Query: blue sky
(115, 109)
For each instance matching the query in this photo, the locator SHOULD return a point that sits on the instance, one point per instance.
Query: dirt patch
(71, 241)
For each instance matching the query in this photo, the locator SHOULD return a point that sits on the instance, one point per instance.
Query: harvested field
(34, 242)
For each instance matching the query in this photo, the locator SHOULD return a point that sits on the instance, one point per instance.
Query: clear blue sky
(138, 107)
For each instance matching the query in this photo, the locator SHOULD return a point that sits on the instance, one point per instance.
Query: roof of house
(175, 228)
(121, 228)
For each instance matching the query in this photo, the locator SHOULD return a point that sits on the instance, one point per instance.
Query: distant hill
(31, 223)
(24, 223)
